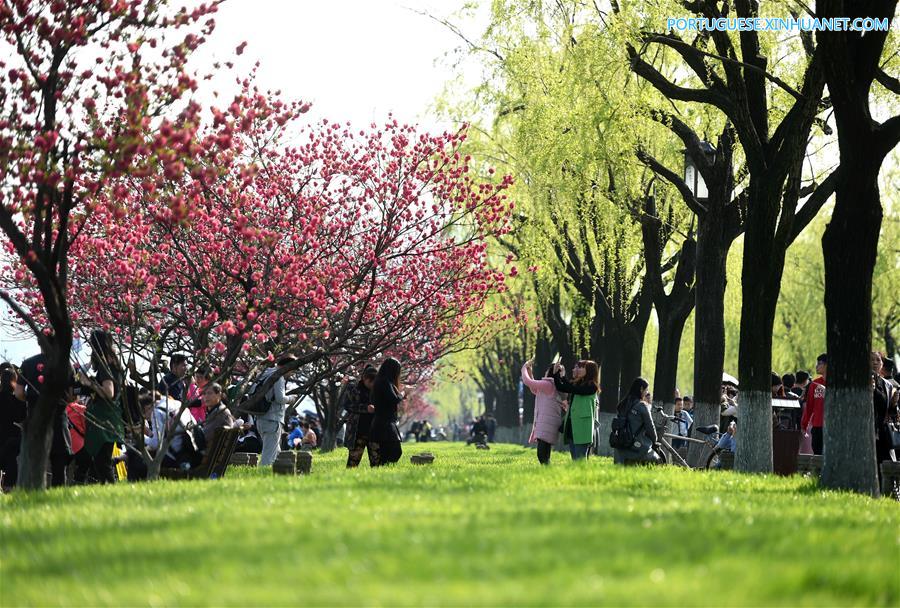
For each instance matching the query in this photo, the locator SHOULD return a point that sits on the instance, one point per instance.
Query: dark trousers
(818, 441)
(579, 450)
(137, 468)
(354, 457)
(544, 450)
(58, 464)
(384, 452)
(9, 461)
(99, 468)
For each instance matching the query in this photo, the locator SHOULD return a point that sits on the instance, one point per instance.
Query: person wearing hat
(813, 418)
(729, 400)
(271, 424)
(358, 404)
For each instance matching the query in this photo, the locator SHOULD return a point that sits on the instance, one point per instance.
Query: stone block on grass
(293, 463)
(423, 458)
(246, 459)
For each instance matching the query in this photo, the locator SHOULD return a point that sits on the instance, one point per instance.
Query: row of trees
(592, 107)
(234, 232)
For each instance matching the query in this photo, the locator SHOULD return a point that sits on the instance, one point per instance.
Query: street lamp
(692, 177)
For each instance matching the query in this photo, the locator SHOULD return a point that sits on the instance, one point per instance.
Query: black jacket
(359, 420)
(386, 400)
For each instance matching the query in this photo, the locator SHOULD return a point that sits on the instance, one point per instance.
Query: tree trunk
(632, 357)
(153, 468)
(507, 409)
(760, 279)
(890, 343)
(490, 401)
(37, 435)
(331, 417)
(543, 356)
(850, 246)
(709, 323)
(666, 370)
(611, 372)
(560, 331)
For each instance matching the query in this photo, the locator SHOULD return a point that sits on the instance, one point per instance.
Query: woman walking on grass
(384, 437)
(578, 424)
(635, 409)
(549, 406)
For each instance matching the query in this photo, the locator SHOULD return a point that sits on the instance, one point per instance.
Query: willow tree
(564, 121)
(773, 117)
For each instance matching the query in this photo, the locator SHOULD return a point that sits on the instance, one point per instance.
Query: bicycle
(669, 455)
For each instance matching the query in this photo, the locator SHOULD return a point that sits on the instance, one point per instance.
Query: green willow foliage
(559, 108)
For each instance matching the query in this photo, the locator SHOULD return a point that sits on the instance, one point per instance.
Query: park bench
(215, 460)
(810, 465)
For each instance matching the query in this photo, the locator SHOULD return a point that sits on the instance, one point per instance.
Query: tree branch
(889, 82)
(814, 204)
(673, 178)
(686, 50)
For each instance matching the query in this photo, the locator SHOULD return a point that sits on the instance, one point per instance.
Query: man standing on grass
(271, 423)
(814, 411)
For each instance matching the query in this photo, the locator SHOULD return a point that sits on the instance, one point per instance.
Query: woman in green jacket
(578, 424)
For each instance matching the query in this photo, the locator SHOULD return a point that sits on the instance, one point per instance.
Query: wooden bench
(810, 465)
(215, 460)
(890, 478)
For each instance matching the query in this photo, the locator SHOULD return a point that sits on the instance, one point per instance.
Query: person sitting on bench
(217, 414)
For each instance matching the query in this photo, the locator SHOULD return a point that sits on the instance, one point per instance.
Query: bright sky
(355, 60)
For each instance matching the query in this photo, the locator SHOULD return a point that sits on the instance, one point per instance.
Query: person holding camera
(578, 423)
(549, 406)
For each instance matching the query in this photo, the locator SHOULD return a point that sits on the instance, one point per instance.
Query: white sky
(355, 60)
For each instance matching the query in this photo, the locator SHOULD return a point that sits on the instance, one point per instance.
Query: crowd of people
(567, 408)
(108, 419)
(111, 421)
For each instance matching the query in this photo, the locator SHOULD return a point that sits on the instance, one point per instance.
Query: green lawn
(476, 527)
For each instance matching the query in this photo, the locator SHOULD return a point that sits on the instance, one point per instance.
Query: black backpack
(621, 436)
(263, 405)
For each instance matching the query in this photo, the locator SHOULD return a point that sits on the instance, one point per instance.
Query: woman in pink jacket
(548, 408)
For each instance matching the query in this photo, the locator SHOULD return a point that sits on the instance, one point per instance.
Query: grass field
(475, 528)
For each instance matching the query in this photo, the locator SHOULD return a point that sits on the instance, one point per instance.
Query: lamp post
(692, 177)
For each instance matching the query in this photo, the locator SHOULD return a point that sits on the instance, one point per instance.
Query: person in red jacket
(814, 409)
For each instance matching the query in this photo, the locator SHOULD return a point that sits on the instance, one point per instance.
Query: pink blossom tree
(84, 87)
